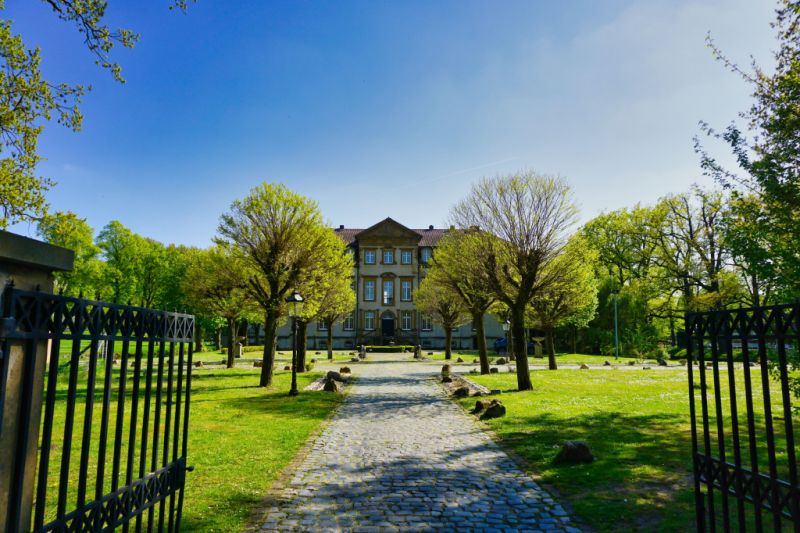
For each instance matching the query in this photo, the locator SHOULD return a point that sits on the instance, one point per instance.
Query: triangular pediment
(389, 231)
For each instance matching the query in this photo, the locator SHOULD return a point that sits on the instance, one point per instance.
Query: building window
(425, 255)
(369, 320)
(405, 290)
(405, 320)
(322, 326)
(369, 257)
(369, 290)
(388, 292)
(427, 324)
(388, 257)
(348, 322)
(405, 257)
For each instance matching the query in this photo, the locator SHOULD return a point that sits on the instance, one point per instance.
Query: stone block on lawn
(331, 385)
(494, 410)
(198, 364)
(258, 364)
(355, 360)
(336, 376)
(494, 370)
(461, 392)
(345, 370)
(500, 361)
(480, 406)
(574, 452)
(287, 368)
(606, 363)
(447, 379)
(445, 369)
(584, 366)
(459, 360)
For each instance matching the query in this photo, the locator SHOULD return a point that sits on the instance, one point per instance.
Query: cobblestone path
(399, 455)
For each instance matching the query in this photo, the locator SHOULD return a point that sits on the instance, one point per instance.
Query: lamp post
(615, 292)
(295, 301)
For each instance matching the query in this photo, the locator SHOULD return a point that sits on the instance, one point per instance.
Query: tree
(455, 268)
(279, 232)
(571, 297)
(27, 101)
(216, 284)
(66, 229)
(444, 306)
(118, 245)
(769, 158)
(524, 220)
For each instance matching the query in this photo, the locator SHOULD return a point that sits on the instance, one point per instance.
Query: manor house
(390, 261)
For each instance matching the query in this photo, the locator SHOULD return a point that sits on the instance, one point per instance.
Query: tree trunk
(231, 337)
(218, 339)
(448, 342)
(480, 333)
(198, 338)
(551, 350)
(246, 328)
(301, 345)
(268, 358)
(329, 324)
(520, 358)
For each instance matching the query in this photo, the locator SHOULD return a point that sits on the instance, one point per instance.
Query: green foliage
(70, 231)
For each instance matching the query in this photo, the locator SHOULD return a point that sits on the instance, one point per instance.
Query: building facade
(390, 261)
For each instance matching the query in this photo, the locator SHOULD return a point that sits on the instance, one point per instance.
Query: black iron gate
(114, 412)
(741, 389)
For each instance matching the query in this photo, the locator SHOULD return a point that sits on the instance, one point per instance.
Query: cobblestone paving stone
(399, 456)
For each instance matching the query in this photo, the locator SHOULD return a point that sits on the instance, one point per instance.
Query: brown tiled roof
(429, 236)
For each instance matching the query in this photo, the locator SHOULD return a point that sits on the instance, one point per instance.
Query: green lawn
(216, 356)
(240, 437)
(636, 421)
(561, 358)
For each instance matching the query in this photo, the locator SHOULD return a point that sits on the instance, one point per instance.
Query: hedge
(390, 349)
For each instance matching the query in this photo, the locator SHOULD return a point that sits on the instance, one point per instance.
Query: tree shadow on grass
(640, 480)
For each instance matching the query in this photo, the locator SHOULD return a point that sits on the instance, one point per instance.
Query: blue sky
(380, 108)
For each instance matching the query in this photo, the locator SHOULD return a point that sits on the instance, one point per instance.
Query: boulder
(316, 353)
(344, 370)
(258, 364)
(494, 370)
(645, 368)
(355, 360)
(447, 379)
(481, 405)
(198, 364)
(445, 369)
(662, 362)
(459, 360)
(362, 355)
(574, 452)
(512, 368)
(500, 361)
(331, 385)
(606, 363)
(494, 410)
(313, 360)
(584, 366)
(287, 368)
(461, 392)
(336, 376)
(430, 353)
(475, 361)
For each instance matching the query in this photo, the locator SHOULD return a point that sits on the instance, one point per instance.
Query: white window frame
(406, 286)
(423, 253)
(390, 253)
(367, 254)
(369, 320)
(321, 326)
(405, 320)
(406, 254)
(369, 283)
(347, 325)
(426, 323)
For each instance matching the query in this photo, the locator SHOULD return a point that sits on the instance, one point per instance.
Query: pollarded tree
(524, 221)
(454, 268)
(216, 285)
(571, 296)
(279, 232)
(444, 306)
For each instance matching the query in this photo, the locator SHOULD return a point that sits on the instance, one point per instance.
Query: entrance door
(387, 326)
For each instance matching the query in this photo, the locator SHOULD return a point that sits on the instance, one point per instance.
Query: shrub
(680, 353)
(390, 349)
(253, 348)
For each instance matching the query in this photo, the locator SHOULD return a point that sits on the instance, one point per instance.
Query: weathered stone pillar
(30, 265)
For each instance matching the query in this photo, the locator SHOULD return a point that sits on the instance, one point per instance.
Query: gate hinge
(8, 326)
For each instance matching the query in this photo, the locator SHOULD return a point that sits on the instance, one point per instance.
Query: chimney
(341, 226)
(430, 227)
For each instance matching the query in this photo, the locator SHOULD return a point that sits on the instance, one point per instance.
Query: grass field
(240, 437)
(561, 358)
(637, 423)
